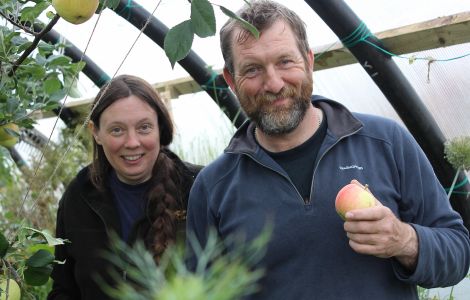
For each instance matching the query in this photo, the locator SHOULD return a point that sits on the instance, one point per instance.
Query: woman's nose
(132, 140)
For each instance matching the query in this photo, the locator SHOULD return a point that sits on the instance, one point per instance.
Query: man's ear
(229, 79)
(311, 59)
(94, 132)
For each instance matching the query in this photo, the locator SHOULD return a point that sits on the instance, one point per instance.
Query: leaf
(12, 105)
(3, 245)
(244, 23)
(24, 46)
(29, 14)
(52, 85)
(202, 18)
(71, 87)
(178, 42)
(77, 67)
(45, 49)
(58, 60)
(39, 259)
(37, 276)
(51, 241)
(36, 247)
(111, 4)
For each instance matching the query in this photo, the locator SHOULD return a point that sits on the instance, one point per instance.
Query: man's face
(271, 79)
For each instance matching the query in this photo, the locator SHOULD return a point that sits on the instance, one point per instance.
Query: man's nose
(273, 81)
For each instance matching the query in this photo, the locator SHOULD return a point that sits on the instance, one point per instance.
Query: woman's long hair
(171, 181)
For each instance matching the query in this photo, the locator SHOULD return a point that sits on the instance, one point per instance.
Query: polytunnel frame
(378, 65)
(397, 89)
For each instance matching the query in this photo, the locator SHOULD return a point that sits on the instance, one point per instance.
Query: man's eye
(285, 62)
(251, 71)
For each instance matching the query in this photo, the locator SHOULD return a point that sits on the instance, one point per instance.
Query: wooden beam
(441, 32)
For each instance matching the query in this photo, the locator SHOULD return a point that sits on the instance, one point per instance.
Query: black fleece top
(86, 217)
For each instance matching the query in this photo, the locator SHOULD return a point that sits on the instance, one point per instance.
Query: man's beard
(278, 120)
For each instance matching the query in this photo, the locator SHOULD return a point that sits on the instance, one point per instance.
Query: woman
(135, 187)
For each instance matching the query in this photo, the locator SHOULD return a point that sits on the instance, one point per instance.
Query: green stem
(453, 183)
(33, 45)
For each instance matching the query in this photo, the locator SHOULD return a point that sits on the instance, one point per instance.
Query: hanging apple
(7, 139)
(14, 290)
(75, 11)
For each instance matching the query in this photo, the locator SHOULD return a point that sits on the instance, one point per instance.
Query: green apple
(75, 11)
(6, 138)
(353, 196)
(14, 291)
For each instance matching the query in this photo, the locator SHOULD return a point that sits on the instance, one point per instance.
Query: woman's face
(129, 134)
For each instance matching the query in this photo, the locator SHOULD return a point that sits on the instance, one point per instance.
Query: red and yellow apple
(7, 139)
(75, 11)
(353, 196)
(14, 290)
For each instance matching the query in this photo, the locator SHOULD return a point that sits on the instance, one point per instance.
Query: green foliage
(28, 258)
(30, 253)
(218, 276)
(202, 18)
(179, 38)
(244, 23)
(178, 41)
(111, 4)
(35, 82)
(4, 245)
(457, 152)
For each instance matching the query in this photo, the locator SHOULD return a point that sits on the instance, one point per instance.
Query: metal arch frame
(136, 15)
(380, 67)
(399, 92)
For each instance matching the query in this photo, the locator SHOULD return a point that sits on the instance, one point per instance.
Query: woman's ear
(94, 132)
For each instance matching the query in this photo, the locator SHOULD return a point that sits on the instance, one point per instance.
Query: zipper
(323, 155)
(306, 201)
(270, 168)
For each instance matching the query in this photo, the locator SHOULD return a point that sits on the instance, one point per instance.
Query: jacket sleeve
(199, 221)
(64, 286)
(444, 244)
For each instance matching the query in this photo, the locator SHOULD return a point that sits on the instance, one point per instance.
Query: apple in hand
(75, 11)
(7, 138)
(14, 291)
(353, 196)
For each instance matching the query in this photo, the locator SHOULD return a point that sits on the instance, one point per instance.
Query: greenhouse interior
(405, 61)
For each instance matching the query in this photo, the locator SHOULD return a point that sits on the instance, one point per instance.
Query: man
(287, 164)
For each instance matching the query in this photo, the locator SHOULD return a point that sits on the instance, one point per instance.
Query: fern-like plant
(219, 275)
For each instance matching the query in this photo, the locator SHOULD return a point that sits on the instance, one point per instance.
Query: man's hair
(261, 14)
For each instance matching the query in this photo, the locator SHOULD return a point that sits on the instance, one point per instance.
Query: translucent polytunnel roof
(444, 87)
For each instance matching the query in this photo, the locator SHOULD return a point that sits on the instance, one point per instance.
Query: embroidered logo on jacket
(342, 168)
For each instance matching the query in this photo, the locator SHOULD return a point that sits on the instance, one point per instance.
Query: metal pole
(399, 92)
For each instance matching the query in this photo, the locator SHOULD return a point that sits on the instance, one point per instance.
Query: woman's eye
(145, 128)
(116, 131)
